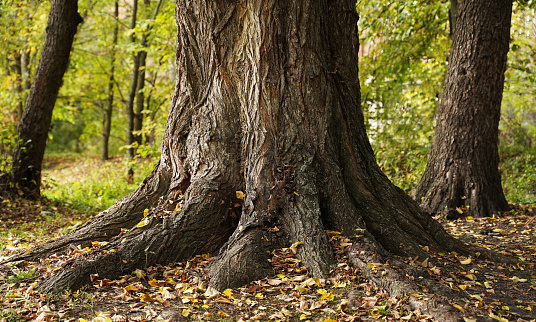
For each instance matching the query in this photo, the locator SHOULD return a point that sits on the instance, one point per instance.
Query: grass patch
(22, 276)
(11, 315)
(88, 184)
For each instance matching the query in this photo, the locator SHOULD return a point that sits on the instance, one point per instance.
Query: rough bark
(462, 169)
(33, 129)
(265, 146)
(107, 121)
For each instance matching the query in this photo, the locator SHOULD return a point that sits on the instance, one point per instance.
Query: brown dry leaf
(139, 273)
(369, 302)
(274, 282)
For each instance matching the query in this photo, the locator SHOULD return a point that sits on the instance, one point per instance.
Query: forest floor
(179, 292)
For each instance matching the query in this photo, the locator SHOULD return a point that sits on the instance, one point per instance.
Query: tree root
(366, 251)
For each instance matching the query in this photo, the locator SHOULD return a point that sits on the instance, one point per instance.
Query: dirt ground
(482, 290)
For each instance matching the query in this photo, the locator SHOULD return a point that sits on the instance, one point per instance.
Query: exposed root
(366, 251)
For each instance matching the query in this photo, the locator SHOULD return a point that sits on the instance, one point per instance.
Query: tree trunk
(264, 147)
(107, 122)
(15, 68)
(142, 66)
(140, 97)
(462, 169)
(453, 15)
(33, 129)
(132, 94)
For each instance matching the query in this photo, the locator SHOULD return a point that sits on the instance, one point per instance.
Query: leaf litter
(180, 292)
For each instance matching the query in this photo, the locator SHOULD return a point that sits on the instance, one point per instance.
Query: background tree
(253, 158)
(33, 129)
(463, 166)
(107, 122)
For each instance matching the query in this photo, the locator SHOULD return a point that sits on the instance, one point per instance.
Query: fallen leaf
(240, 195)
(458, 307)
(466, 261)
(498, 318)
(516, 279)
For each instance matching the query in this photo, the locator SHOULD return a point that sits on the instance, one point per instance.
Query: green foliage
(518, 119)
(402, 66)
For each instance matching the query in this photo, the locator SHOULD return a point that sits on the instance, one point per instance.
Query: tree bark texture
(264, 147)
(107, 121)
(462, 169)
(33, 129)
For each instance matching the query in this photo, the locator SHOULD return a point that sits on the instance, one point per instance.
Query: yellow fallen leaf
(478, 297)
(498, 318)
(466, 262)
(303, 317)
(186, 312)
(142, 223)
(301, 289)
(229, 293)
(516, 279)
(458, 307)
(145, 212)
(487, 284)
(130, 288)
(462, 286)
(240, 195)
(147, 298)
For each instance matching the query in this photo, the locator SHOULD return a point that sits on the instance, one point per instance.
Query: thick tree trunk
(462, 169)
(33, 129)
(265, 146)
(107, 122)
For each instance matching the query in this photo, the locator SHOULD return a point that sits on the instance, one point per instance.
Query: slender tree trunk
(15, 68)
(107, 123)
(33, 129)
(140, 97)
(142, 56)
(264, 147)
(462, 170)
(132, 94)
